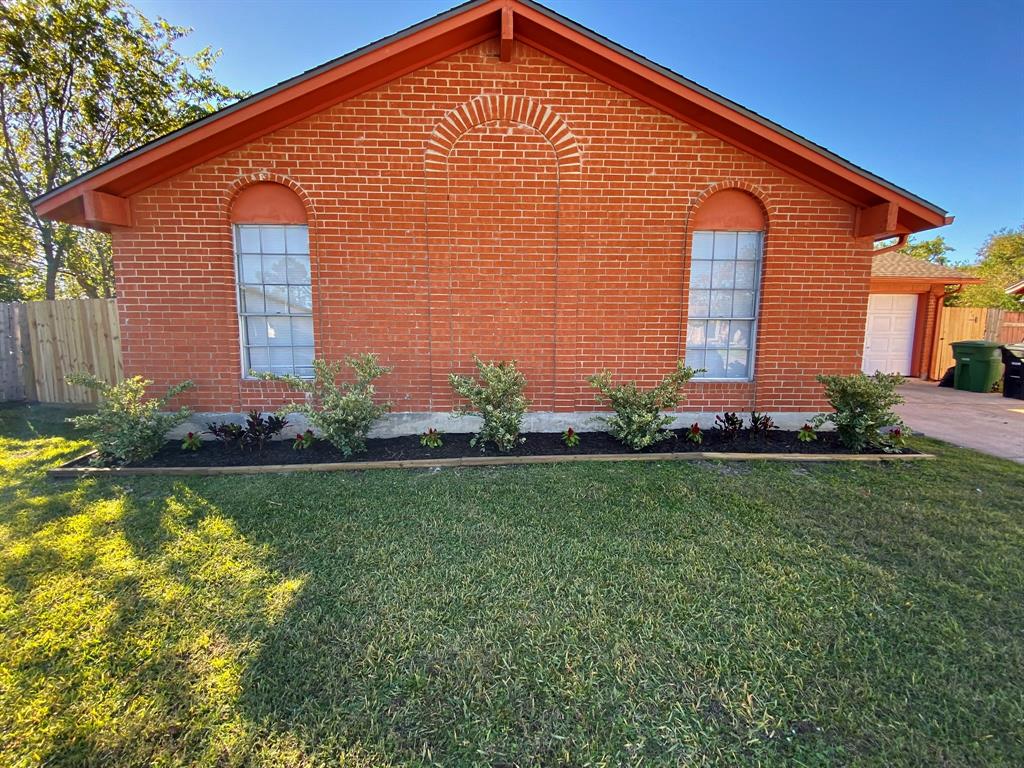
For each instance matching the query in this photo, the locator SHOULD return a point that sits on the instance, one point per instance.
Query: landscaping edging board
(68, 470)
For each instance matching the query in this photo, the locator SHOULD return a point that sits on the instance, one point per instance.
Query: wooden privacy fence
(41, 342)
(962, 323)
(1004, 326)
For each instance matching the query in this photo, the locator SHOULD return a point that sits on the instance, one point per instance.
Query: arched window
(725, 279)
(275, 294)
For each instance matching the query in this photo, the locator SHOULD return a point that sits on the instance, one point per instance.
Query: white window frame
(754, 320)
(243, 331)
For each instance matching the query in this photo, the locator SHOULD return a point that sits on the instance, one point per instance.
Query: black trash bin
(1013, 373)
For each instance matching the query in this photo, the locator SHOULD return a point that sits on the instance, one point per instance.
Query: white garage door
(889, 336)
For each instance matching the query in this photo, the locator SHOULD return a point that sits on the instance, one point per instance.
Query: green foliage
(863, 415)
(127, 426)
(343, 412)
(933, 250)
(432, 438)
(303, 441)
(806, 434)
(639, 420)
(191, 442)
(80, 82)
(570, 438)
(695, 434)
(1000, 265)
(498, 399)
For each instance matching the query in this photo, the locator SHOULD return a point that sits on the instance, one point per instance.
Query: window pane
(259, 358)
(714, 362)
(737, 366)
(700, 274)
(725, 245)
(272, 239)
(746, 271)
(718, 333)
(281, 357)
(256, 330)
(739, 333)
(279, 331)
(252, 269)
(274, 269)
(298, 269)
(297, 239)
(723, 345)
(249, 239)
(724, 274)
(748, 246)
(721, 304)
(277, 299)
(300, 299)
(252, 299)
(695, 333)
(302, 331)
(695, 358)
(744, 304)
(703, 243)
(700, 303)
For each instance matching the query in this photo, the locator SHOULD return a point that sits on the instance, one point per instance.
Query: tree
(1000, 264)
(80, 82)
(933, 250)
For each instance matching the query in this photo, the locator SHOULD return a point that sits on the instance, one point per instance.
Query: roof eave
(460, 28)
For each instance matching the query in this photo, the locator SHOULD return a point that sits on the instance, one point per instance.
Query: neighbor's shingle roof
(896, 264)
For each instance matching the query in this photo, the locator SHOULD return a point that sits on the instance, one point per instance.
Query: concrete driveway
(988, 423)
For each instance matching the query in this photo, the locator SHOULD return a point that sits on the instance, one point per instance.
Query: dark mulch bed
(214, 454)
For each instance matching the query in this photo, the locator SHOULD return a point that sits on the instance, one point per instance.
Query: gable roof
(887, 209)
(896, 264)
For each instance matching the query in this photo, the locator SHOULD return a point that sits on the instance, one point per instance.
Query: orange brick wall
(518, 209)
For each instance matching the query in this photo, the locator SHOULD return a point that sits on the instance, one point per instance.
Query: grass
(615, 614)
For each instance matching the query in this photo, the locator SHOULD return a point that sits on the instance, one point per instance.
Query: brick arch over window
(750, 192)
(502, 186)
(247, 181)
(513, 109)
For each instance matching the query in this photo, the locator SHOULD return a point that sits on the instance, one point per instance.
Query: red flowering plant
(695, 434)
(806, 434)
(570, 438)
(192, 442)
(303, 440)
(432, 438)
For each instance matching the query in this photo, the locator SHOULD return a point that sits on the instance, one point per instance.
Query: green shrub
(639, 420)
(342, 412)
(863, 406)
(126, 426)
(498, 399)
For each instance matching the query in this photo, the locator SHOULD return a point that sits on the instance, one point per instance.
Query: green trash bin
(979, 364)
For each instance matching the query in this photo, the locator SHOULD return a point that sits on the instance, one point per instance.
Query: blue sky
(927, 95)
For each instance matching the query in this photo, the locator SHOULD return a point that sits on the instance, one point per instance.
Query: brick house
(498, 181)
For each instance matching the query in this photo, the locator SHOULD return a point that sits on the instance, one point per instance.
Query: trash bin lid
(977, 344)
(1015, 350)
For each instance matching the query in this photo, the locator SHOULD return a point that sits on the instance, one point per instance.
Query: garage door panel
(889, 333)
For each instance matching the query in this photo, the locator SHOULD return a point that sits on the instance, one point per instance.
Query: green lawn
(588, 614)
